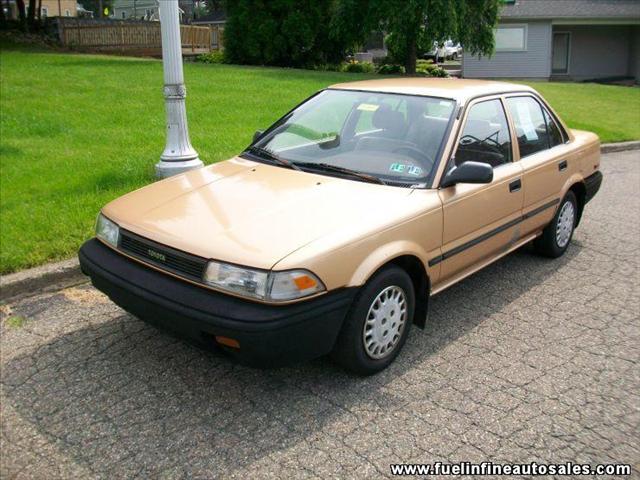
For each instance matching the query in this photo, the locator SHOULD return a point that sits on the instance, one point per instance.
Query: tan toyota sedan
(331, 231)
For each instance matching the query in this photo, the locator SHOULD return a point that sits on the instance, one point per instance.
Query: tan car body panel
(268, 217)
(255, 215)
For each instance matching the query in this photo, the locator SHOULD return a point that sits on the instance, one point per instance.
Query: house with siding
(563, 39)
(147, 10)
(48, 8)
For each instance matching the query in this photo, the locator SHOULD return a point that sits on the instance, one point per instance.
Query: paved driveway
(528, 360)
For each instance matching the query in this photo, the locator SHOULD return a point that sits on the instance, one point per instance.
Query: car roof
(455, 88)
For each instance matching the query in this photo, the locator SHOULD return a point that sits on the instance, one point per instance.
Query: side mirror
(468, 172)
(257, 135)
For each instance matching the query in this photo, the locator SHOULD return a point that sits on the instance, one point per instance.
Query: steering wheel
(414, 152)
(469, 139)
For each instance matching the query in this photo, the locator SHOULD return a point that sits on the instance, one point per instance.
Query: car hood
(250, 213)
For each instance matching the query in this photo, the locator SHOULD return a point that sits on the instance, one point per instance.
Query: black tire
(547, 243)
(349, 350)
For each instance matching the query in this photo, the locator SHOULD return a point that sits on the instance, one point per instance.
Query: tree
(413, 25)
(281, 32)
(31, 13)
(199, 11)
(214, 6)
(22, 13)
(28, 15)
(97, 6)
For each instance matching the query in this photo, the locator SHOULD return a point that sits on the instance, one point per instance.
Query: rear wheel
(377, 324)
(556, 236)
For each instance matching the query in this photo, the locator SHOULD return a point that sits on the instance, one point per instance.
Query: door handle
(515, 186)
(562, 165)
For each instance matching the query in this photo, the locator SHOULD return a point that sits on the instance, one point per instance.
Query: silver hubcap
(385, 322)
(565, 224)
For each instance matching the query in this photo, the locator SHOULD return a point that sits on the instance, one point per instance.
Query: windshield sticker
(368, 107)
(401, 168)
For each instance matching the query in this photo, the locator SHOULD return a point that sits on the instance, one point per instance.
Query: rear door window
(531, 126)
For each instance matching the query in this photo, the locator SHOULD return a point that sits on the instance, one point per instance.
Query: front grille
(166, 258)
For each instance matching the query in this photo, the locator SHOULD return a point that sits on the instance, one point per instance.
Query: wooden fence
(133, 37)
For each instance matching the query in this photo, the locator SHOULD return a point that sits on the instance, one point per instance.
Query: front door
(482, 221)
(560, 53)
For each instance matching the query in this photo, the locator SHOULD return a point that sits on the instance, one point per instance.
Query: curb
(620, 147)
(46, 278)
(56, 276)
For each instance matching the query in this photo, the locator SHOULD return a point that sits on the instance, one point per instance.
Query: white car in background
(447, 51)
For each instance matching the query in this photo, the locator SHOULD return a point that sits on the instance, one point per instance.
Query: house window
(44, 12)
(511, 38)
(67, 13)
(124, 15)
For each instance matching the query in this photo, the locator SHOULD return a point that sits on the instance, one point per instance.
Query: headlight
(245, 282)
(268, 286)
(107, 231)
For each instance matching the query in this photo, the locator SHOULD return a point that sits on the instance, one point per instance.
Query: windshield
(388, 137)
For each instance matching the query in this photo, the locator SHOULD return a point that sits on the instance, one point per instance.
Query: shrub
(421, 62)
(431, 71)
(391, 69)
(211, 57)
(358, 67)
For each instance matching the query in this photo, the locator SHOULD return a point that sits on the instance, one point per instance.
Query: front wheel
(377, 324)
(556, 236)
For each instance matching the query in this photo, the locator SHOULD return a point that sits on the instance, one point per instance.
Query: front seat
(391, 127)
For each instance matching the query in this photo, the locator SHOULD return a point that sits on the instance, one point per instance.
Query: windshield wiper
(335, 168)
(269, 155)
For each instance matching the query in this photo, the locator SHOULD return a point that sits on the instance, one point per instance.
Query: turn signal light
(228, 342)
(304, 282)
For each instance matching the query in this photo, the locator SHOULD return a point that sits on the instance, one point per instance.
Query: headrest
(390, 120)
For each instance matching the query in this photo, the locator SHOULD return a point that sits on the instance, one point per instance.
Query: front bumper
(269, 335)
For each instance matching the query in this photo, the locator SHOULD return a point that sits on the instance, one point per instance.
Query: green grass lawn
(77, 131)
(613, 112)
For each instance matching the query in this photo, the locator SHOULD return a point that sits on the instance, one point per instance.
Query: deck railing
(133, 36)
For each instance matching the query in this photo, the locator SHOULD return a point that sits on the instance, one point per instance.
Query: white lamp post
(178, 156)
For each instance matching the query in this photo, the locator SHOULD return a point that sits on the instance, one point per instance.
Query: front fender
(385, 254)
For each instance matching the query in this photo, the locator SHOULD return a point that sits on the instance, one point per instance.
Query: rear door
(546, 158)
(481, 221)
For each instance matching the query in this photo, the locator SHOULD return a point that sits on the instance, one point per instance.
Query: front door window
(485, 137)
